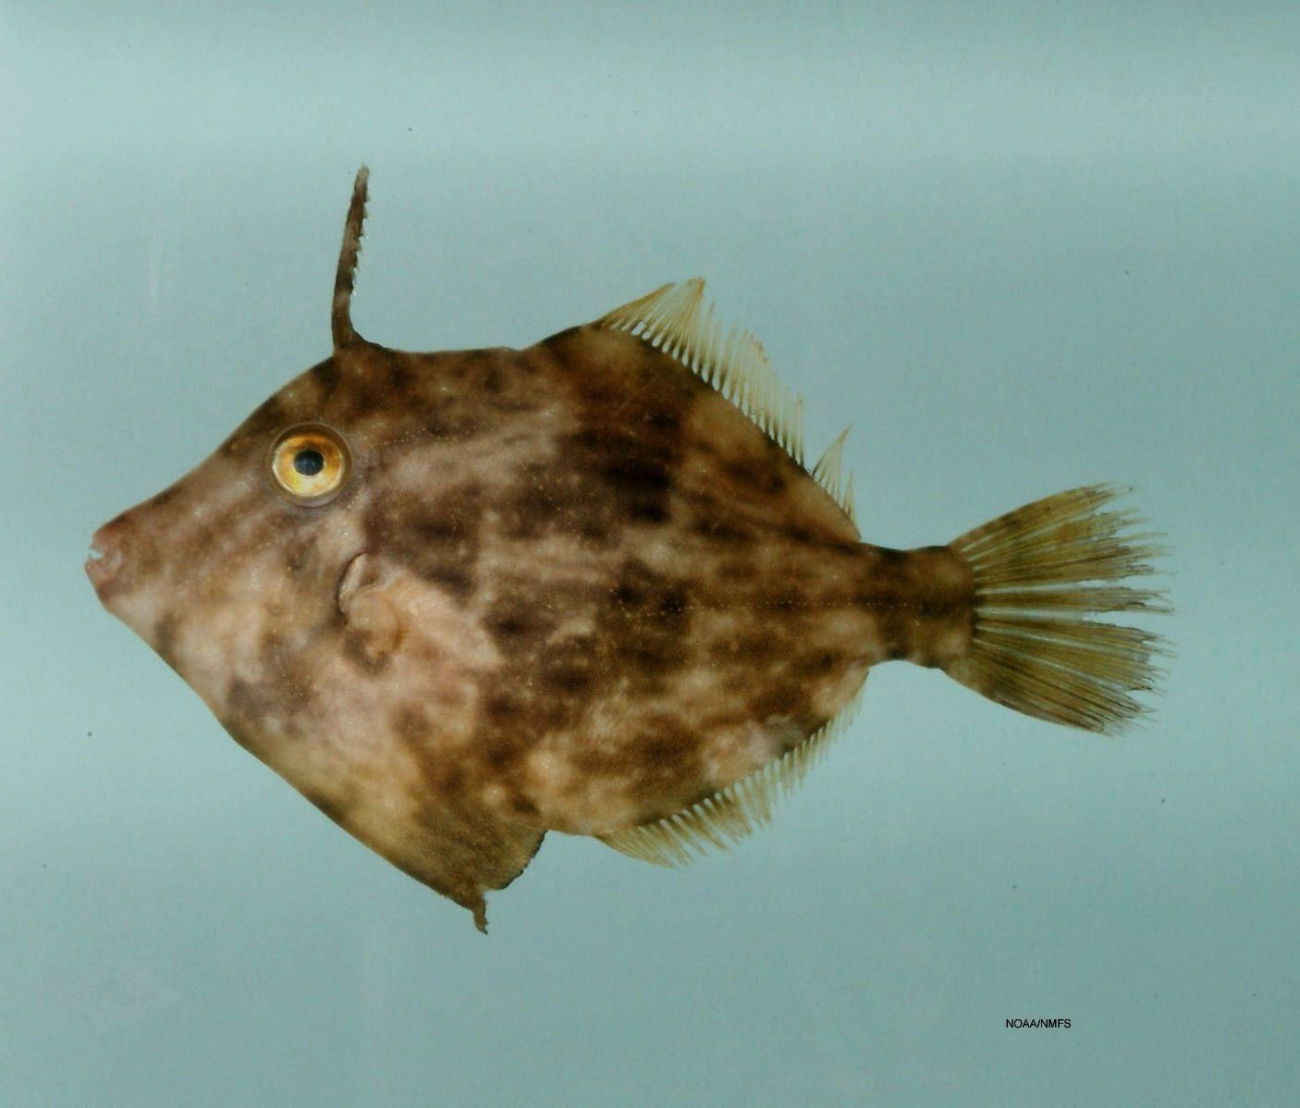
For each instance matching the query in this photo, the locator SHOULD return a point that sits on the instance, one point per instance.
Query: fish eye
(308, 462)
(311, 463)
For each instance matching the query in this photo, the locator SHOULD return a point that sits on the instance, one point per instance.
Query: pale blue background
(1021, 247)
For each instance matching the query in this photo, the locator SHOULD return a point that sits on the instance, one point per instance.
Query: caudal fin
(1041, 573)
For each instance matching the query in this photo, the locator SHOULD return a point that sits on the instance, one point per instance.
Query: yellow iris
(311, 464)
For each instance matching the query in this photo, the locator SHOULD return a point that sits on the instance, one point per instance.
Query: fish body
(461, 599)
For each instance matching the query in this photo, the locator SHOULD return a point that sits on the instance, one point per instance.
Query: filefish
(462, 599)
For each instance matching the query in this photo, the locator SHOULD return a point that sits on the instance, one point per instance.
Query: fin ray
(732, 813)
(676, 320)
(829, 473)
(1040, 573)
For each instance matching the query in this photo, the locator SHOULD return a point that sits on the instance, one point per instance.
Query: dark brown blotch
(249, 703)
(784, 699)
(635, 477)
(635, 474)
(272, 653)
(648, 510)
(632, 405)
(763, 474)
(498, 750)
(450, 425)
(357, 649)
(336, 810)
(401, 379)
(444, 778)
(298, 558)
(357, 382)
(715, 528)
(452, 526)
(665, 421)
(504, 706)
(644, 624)
(567, 679)
(760, 647)
(453, 579)
(737, 570)
(569, 669)
(660, 765)
(562, 496)
(410, 723)
(438, 540)
(164, 638)
(517, 625)
(270, 417)
(327, 375)
(672, 601)
(811, 666)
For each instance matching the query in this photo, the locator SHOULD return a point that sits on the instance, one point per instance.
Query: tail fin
(1040, 572)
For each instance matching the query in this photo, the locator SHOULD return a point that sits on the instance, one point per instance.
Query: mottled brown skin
(462, 599)
(567, 588)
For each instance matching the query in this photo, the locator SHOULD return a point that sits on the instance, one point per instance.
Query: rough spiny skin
(567, 588)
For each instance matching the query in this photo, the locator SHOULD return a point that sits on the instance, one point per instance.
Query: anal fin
(734, 812)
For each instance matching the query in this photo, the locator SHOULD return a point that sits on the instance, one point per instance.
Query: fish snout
(108, 553)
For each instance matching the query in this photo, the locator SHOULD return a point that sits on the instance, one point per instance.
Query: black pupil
(309, 462)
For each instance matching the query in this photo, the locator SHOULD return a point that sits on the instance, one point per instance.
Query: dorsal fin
(670, 319)
(345, 274)
(731, 813)
(829, 473)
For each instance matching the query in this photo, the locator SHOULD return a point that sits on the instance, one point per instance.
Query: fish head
(232, 573)
(307, 581)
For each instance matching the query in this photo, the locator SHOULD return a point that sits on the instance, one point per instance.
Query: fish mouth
(107, 555)
(101, 566)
